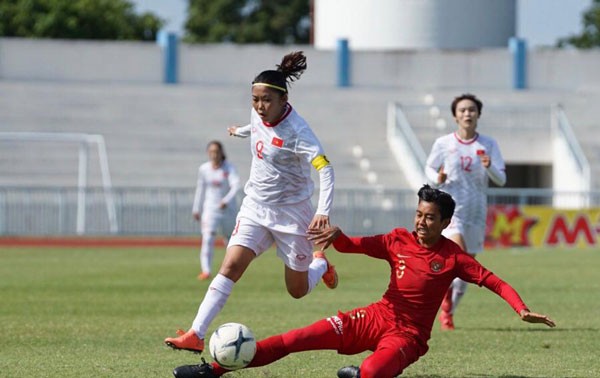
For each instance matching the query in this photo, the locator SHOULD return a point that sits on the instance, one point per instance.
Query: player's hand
(232, 130)
(319, 221)
(325, 236)
(486, 160)
(532, 317)
(196, 216)
(442, 176)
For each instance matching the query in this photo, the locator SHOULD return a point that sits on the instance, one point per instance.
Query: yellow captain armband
(319, 162)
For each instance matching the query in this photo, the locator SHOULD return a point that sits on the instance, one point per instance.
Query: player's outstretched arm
(239, 131)
(532, 317)
(231, 130)
(323, 237)
(510, 295)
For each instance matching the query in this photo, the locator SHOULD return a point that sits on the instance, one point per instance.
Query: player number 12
(465, 163)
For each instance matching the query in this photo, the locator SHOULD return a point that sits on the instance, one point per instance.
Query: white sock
(458, 290)
(214, 300)
(316, 269)
(207, 252)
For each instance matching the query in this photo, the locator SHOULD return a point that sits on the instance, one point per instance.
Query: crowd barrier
(516, 217)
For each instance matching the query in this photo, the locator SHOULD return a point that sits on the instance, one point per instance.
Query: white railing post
(82, 187)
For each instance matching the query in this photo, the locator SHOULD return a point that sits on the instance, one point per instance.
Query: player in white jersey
(214, 202)
(461, 163)
(277, 208)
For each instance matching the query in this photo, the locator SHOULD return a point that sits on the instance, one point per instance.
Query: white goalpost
(85, 142)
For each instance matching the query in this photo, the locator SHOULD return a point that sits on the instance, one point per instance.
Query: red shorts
(373, 328)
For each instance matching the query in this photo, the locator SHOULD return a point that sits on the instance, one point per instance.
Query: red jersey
(420, 277)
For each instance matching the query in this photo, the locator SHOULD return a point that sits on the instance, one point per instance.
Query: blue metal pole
(518, 49)
(343, 63)
(170, 59)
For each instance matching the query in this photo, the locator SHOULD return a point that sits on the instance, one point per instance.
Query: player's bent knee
(296, 283)
(297, 293)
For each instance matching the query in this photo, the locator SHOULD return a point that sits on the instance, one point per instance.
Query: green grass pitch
(104, 312)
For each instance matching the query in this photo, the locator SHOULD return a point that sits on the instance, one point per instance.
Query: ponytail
(289, 70)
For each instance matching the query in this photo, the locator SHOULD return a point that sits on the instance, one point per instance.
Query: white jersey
(467, 178)
(215, 186)
(282, 156)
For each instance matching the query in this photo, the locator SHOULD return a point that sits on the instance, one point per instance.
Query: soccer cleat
(349, 372)
(203, 370)
(330, 278)
(186, 341)
(446, 321)
(203, 276)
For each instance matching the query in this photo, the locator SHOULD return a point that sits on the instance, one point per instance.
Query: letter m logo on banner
(560, 231)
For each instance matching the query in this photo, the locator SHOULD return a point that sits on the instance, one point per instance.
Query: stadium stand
(156, 134)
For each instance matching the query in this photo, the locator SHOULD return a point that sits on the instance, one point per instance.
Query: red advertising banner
(541, 226)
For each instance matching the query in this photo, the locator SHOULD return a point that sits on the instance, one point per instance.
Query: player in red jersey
(396, 328)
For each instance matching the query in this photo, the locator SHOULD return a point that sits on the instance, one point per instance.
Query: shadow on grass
(510, 376)
(520, 330)
(481, 376)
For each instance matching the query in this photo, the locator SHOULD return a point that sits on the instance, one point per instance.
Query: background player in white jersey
(214, 202)
(277, 208)
(461, 163)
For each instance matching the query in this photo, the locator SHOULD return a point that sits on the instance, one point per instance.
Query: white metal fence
(167, 211)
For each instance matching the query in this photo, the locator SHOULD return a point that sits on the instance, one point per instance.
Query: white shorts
(473, 235)
(258, 226)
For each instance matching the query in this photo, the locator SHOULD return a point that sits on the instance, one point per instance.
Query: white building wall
(414, 24)
(223, 64)
(239, 64)
(490, 68)
(57, 60)
(564, 69)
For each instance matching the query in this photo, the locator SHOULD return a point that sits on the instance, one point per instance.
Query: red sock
(447, 302)
(269, 350)
(218, 370)
(319, 335)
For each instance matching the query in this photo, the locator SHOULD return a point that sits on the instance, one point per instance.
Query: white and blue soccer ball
(232, 345)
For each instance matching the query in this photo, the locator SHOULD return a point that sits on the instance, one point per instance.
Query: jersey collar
(288, 110)
(466, 141)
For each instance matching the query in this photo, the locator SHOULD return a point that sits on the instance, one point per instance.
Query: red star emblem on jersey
(277, 142)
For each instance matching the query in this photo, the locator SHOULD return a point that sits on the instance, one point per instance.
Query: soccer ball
(232, 345)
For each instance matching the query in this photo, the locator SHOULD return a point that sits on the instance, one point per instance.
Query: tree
(248, 21)
(76, 19)
(591, 30)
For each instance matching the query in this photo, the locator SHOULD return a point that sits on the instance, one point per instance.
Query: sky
(540, 22)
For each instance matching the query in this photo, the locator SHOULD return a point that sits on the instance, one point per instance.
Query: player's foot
(330, 278)
(203, 276)
(186, 341)
(446, 321)
(349, 372)
(203, 370)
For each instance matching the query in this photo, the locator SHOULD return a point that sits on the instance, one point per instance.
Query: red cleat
(203, 276)
(330, 278)
(186, 341)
